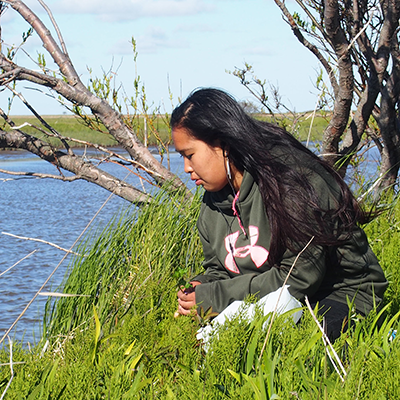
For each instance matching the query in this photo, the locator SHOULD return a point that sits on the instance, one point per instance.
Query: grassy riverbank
(68, 126)
(72, 126)
(120, 339)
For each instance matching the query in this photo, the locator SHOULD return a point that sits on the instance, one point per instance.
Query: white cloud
(151, 41)
(125, 10)
(155, 39)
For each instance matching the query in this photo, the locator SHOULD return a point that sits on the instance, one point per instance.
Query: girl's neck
(237, 177)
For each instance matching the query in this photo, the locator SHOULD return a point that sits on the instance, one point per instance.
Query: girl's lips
(197, 181)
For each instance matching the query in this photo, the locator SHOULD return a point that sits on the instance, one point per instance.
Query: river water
(56, 212)
(52, 211)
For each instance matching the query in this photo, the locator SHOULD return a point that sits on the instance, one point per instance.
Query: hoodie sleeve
(214, 271)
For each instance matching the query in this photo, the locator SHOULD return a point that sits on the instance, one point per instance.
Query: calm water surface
(50, 210)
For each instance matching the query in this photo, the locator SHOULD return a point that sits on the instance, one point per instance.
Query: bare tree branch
(60, 58)
(18, 262)
(40, 175)
(42, 241)
(308, 45)
(344, 95)
(75, 92)
(361, 33)
(53, 21)
(42, 120)
(73, 164)
(81, 142)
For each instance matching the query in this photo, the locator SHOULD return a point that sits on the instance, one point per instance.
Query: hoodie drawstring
(237, 214)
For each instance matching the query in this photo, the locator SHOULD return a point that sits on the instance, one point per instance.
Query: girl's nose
(187, 167)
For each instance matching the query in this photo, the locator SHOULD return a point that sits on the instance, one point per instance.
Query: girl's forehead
(183, 139)
(181, 134)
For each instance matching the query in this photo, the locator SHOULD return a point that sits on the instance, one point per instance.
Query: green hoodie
(236, 264)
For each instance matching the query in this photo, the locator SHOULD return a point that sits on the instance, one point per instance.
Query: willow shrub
(119, 339)
(384, 238)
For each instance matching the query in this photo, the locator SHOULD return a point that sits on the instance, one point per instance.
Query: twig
(56, 294)
(7, 119)
(359, 33)
(9, 76)
(279, 297)
(46, 345)
(22, 259)
(40, 176)
(41, 241)
(312, 119)
(40, 118)
(313, 19)
(21, 126)
(12, 371)
(141, 178)
(53, 21)
(327, 343)
(14, 363)
(375, 184)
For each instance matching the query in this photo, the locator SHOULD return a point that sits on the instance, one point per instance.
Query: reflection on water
(50, 210)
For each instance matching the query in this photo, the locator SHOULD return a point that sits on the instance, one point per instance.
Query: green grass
(384, 237)
(304, 126)
(157, 128)
(72, 126)
(122, 341)
(69, 126)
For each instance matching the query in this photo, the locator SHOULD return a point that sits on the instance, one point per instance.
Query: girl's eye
(189, 157)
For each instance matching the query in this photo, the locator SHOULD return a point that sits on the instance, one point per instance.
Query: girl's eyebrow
(184, 150)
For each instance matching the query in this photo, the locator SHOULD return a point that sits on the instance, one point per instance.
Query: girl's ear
(225, 149)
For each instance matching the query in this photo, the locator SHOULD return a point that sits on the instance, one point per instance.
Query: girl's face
(205, 163)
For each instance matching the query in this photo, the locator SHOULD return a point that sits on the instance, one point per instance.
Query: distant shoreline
(73, 127)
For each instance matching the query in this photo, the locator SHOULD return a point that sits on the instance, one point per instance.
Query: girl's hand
(187, 300)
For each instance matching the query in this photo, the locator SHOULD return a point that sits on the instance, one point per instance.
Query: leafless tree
(66, 83)
(357, 44)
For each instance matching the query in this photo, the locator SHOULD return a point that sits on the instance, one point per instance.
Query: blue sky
(188, 43)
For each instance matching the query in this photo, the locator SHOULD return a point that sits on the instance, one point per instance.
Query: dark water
(50, 210)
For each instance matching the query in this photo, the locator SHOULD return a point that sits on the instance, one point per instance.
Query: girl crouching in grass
(266, 196)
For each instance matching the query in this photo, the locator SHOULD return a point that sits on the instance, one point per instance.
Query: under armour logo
(257, 253)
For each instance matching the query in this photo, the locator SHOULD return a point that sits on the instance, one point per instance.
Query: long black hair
(292, 204)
